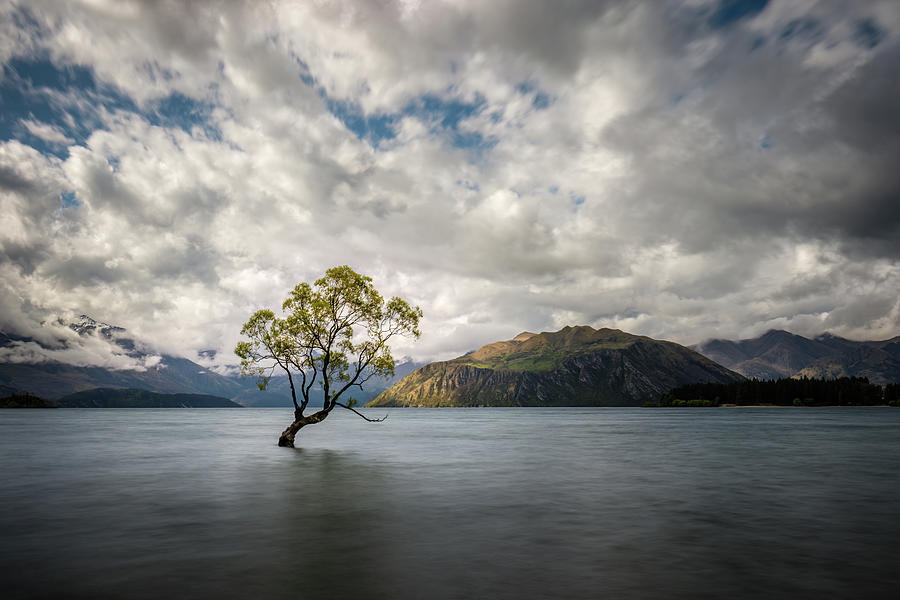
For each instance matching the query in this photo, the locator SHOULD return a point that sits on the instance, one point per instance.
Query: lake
(451, 503)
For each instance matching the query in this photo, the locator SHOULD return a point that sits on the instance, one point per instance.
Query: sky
(678, 169)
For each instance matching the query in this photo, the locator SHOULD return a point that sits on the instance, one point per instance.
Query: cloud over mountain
(682, 170)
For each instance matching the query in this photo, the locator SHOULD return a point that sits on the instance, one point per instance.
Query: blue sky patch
(539, 99)
(525, 88)
(806, 29)
(868, 34)
(444, 116)
(577, 200)
(183, 112)
(446, 112)
(372, 128)
(305, 74)
(729, 12)
(68, 200)
(472, 140)
(26, 93)
(68, 97)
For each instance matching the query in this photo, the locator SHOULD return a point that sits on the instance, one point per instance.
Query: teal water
(451, 503)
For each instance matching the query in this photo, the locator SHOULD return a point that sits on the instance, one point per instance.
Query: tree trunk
(287, 436)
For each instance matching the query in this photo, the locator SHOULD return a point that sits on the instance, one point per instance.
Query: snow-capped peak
(85, 324)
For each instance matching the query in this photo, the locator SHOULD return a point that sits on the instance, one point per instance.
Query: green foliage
(334, 332)
(542, 357)
(843, 391)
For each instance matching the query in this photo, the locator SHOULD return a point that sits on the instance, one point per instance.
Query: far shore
(791, 406)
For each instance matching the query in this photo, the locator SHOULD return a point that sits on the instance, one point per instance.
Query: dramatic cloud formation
(676, 169)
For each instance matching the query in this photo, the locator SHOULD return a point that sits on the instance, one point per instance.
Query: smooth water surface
(451, 503)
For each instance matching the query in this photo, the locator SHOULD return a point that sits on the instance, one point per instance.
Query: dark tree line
(892, 394)
(844, 391)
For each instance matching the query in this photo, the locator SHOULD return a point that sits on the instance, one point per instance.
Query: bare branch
(342, 405)
(353, 381)
(293, 391)
(365, 379)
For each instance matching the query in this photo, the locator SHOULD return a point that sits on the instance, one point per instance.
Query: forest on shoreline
(803, 391)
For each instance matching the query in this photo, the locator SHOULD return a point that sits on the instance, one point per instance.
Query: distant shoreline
(786, 406)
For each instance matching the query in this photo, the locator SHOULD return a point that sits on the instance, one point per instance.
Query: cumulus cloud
(676, 169)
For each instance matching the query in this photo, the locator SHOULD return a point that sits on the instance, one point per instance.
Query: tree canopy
(333, 333)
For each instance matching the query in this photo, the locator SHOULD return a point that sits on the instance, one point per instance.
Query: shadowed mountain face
(576, 366)
(781, 354)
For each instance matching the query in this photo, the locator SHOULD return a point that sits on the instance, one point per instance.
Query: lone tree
(334, 333)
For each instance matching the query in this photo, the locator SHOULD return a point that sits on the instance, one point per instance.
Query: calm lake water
(451, 503)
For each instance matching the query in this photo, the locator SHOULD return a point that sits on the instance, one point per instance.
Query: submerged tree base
(288, 435)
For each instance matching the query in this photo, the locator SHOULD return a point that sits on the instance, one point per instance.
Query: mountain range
(576, 366)
(779, 353)
(163, 373)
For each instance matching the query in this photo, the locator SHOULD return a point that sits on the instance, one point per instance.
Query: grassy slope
(546, 351)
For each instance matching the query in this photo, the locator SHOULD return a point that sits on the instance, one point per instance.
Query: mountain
(164, 373)
(133, 398)
(576, 366)
(778, 354)
(171, 375)
(158, 373)
(87, 325)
